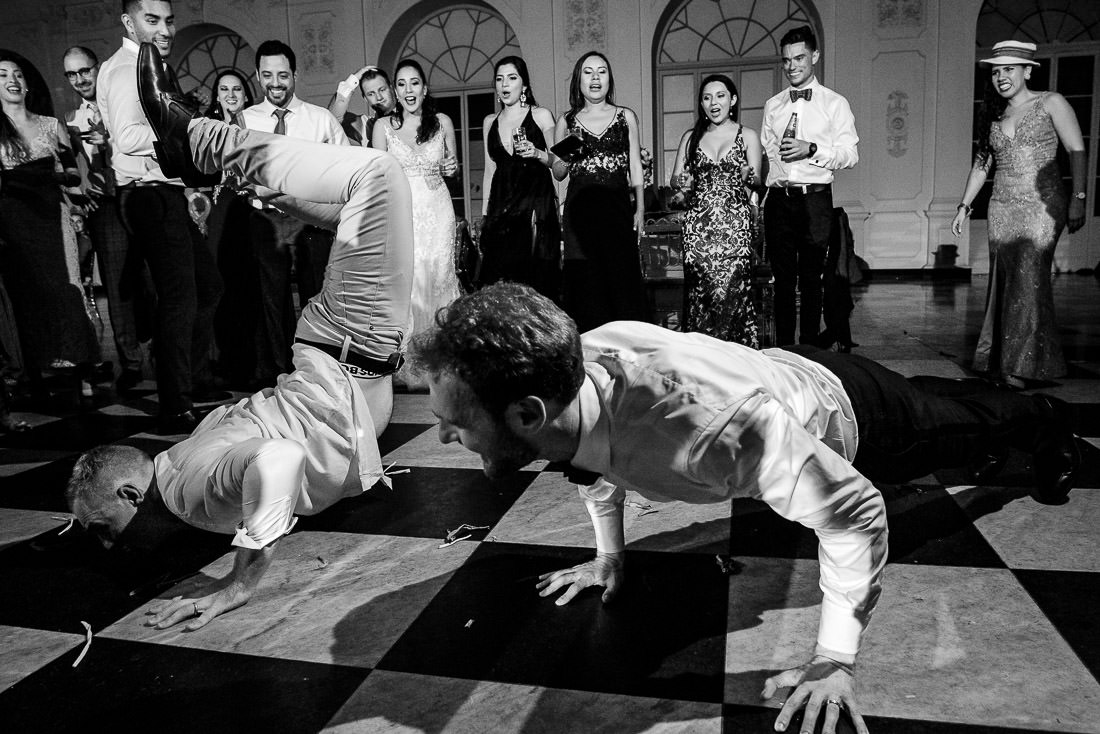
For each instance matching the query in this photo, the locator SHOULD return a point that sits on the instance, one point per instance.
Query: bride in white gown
(423, 140)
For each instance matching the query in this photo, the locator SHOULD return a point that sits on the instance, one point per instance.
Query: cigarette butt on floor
(322, 561)
(87, 643)
(469, 623)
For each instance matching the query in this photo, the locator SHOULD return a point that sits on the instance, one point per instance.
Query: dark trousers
(910, 427)
(796, 231)
(282, 243)
(187, 284)
(119, 275)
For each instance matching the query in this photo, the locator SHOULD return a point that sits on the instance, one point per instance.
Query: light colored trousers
(361, 194)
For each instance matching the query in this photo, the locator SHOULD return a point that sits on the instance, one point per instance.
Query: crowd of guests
(168, 248)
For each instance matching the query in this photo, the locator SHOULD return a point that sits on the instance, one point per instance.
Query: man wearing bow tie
(798, 212)
(97, 190)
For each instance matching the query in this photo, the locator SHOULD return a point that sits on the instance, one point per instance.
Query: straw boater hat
(1019, 53)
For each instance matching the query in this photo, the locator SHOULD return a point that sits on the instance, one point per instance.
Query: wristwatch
(1080, 195)
(813, 149)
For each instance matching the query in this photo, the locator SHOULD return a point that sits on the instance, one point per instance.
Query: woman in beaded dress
(1019, 132)
(423, 141)
(601, 278)
(38, 255)
(719, 158)
(520, 233)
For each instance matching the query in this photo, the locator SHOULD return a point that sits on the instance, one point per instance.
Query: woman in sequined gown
(422, 140)
(719, 158)
(38, 254)
(1019, 134)
(520, 234)
(601, 278)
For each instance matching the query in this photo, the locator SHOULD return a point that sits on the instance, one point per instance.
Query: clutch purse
(567, 148)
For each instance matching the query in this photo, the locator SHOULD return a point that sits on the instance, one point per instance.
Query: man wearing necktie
(277, 238)
(103, 226)
(798, 211)
(152, 204)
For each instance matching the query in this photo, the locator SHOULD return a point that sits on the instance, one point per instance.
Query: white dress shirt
(205, 481)
(131, 136)
(825, 119)
(304, 120)
(690, 418)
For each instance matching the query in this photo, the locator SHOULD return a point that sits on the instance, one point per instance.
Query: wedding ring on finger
(195, 609)
(834, 702)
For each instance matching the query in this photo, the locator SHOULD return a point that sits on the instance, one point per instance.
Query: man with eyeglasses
(97, 202)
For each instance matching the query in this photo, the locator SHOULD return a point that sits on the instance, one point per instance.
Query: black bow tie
(803, 93)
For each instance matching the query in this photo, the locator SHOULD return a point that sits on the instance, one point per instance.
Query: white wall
(900, 198)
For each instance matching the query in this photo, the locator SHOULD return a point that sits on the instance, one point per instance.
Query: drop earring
(523, 98)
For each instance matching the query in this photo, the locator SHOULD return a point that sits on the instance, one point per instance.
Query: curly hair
(98, 471)
(505, 342)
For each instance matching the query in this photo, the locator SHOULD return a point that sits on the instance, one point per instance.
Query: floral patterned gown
(718, 250)
(1027, 212)
(435, 283)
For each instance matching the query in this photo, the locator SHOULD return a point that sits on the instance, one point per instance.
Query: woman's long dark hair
(429, 121)
(11, 141)
(215, 111)
(576, 98)
(701, 120)
(521, 69)
(993, 107)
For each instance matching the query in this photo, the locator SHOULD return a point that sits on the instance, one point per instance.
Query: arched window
(457, 47)
(206, 50)
(739, 38)
(1068, 36)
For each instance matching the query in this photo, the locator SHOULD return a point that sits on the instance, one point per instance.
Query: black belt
(802, 189)
(376, 367)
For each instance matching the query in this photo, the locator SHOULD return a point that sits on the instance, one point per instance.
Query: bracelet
(849, 669)
(966, 208)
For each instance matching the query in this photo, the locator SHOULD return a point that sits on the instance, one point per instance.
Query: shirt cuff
(243, 540)
(839, 630)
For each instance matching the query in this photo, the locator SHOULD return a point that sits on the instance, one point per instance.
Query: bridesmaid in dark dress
(1019, 132)
(720, 159)
(520, 233)
(602, 278)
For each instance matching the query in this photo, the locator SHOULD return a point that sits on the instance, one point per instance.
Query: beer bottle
(792, 127)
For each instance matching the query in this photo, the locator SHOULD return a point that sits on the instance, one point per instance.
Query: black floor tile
(426, 503)
(664, 636)
(142, 687)
(1070, 600)
(397, 435)
(746, 719)
(53, 581)
(41, 488)
(926, 526)
(80, 432)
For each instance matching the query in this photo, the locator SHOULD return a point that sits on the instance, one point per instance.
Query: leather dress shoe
(169, 114)
(174, 424)
(1056, 457)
